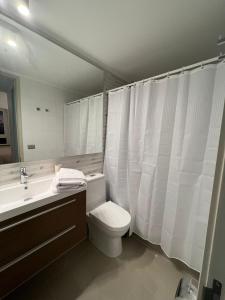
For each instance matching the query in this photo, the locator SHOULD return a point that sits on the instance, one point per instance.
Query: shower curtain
(83, 126)
(161, 149)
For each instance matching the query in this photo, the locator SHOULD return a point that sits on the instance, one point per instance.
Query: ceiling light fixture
(12, 43)
(23, 9)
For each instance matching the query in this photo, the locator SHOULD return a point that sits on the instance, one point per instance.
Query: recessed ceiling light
(23, 9)
(12, 43)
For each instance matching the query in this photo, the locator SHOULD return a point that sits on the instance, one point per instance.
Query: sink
(18, 198)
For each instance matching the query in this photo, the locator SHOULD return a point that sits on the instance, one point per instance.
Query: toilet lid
(112, 215)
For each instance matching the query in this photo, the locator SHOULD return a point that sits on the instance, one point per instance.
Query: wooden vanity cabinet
(32, 240)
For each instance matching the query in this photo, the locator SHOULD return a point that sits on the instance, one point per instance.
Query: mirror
(48, 102)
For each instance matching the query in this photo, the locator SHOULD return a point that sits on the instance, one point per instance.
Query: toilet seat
(111, 216)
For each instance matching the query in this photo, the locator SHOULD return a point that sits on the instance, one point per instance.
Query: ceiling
(135, 38)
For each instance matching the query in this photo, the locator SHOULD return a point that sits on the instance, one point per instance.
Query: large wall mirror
(51, 102)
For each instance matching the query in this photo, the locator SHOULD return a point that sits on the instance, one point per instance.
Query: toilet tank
(96, 191)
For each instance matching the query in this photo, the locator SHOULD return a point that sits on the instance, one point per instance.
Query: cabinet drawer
(31, 229)
(20, 271)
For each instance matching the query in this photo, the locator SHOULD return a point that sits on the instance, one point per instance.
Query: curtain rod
(176, 71)
(78, 100)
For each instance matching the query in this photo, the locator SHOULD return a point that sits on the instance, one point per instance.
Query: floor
(85, 274)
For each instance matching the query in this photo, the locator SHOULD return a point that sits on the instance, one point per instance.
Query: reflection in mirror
(83, 126)
(8, 126)
(46, 105)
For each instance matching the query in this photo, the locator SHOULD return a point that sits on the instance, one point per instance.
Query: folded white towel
(66, 175)
(67, 180)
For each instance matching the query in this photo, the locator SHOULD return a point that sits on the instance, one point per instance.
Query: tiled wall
(88, 163)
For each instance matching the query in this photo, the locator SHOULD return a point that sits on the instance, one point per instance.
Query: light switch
(30, 147)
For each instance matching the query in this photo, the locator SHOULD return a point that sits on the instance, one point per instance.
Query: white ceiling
(135, 38)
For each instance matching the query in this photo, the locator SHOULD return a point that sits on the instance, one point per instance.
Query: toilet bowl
(107, 224)
(107, 221)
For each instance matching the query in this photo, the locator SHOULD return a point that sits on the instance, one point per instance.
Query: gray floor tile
(140, 273)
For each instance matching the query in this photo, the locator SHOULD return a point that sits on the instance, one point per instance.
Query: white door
(214, 257)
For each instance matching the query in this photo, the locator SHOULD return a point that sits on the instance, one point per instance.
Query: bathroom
(112, 149)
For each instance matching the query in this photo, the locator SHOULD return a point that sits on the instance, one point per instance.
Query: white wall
(40, 128)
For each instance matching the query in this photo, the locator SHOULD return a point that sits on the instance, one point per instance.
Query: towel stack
(69, 180)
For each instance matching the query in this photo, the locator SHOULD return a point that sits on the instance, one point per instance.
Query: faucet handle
(23, 175)
(23, 170)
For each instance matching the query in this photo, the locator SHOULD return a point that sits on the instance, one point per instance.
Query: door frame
(15, 115)
(213, 265)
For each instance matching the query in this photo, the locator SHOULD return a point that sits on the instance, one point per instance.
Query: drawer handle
(35, 249)
(35, 216)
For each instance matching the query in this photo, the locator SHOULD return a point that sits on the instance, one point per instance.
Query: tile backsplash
(88, 163)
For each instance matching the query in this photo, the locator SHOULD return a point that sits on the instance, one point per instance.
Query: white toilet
(107, 221)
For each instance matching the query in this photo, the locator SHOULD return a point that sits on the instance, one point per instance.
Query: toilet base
(111, 246)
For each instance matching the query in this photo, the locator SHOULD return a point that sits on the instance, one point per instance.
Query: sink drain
(28, 198)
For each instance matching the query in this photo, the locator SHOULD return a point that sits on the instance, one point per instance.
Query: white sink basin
(15, 199)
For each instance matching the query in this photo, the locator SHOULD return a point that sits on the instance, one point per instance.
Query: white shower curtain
(161, 148)
(83, 126)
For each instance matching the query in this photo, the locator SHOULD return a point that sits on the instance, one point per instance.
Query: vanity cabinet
(32, 240)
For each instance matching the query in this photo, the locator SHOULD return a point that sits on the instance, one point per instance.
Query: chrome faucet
(23, 175)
